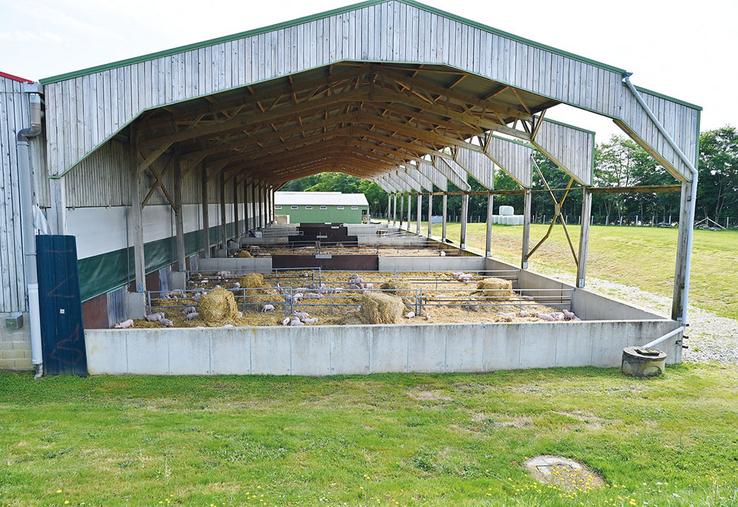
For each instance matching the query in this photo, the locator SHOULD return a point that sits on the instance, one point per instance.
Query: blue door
(62, 333)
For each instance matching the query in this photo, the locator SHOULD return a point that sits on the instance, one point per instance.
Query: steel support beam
(584, 237)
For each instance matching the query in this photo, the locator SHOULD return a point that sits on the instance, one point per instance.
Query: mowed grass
(643, 257)
(374, 440)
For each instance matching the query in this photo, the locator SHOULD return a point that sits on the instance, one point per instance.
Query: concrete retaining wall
(410, 263)
(236, 264)
(587, 305)
(334, 350)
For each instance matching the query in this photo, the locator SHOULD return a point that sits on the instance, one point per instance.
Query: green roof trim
(567, 125)
(666, 97)
(314, 17)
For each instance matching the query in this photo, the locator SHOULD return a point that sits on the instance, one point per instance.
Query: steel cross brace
(557, 216)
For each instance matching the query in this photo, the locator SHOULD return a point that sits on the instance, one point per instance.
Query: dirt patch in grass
(503, 420)
(428, 395)
(589, 420)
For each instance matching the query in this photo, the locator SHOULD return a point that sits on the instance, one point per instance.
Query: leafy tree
(717, 193)
(618, 162)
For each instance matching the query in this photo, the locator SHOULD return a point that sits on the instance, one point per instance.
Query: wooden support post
(409, 210)
(389, 205)
(430, 215)
(686, 222)
(246, 217)
(488, 238)
(464, 218)
(262, 206)
(270, 215)
(205, 213)
(418, 214)
(137, 181)
(178, 217)
(402, 208)
(237, 223)
(444, 218)
(394, 209)
(254, 219)
(584, 237)
(527, 200)
(58, 209)
(223, 235)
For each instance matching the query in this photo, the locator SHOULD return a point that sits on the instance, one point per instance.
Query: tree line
(618, 162)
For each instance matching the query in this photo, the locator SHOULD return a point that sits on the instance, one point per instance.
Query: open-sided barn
(157, 162)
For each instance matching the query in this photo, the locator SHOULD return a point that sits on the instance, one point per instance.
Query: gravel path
(711, 337)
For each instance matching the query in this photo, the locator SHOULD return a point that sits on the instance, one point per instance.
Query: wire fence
(307, 289)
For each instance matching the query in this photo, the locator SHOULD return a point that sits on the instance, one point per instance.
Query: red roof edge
(15, 78)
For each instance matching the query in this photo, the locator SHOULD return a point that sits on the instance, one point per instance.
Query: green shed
(321, 207)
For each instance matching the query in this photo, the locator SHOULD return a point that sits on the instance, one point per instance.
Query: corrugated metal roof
(319, 199)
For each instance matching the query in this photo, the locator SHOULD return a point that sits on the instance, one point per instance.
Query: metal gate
(62, 332)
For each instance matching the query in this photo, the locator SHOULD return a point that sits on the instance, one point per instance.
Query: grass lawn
(643, 257)
(376, 440)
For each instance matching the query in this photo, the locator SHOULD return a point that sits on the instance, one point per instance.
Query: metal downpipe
(29, 234)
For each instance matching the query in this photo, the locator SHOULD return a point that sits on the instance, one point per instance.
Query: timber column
(488, 238)
(527, 198)
(418, 214)
(444, 219)
(178, 218)
(584, 237)
(430, 214)
(464, 218)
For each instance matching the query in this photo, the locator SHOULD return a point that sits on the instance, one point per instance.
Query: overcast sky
(685, 49)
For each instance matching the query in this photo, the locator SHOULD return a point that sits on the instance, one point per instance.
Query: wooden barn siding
(571, 148)
(512, 157)
(419, 177)
(14, 116)
(438, 179)
(85, 111)
(478, 166)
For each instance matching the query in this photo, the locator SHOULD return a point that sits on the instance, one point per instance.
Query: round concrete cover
(564, 473)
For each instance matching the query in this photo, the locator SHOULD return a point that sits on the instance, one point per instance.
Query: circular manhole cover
(563, 473)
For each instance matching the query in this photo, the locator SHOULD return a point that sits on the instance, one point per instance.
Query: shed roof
(364, 90)
(319, 199)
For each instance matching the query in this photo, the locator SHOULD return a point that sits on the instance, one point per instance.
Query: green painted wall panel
(317, 215)
(105, 272)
